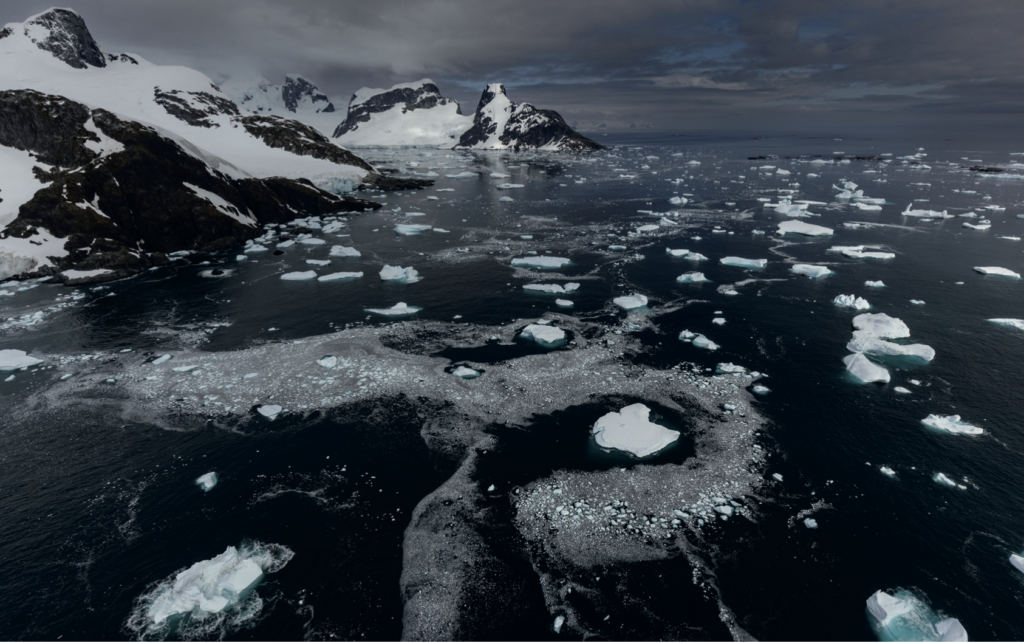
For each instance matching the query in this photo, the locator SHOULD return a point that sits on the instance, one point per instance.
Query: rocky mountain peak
(423, 94)
(63, 33)
(296, 88)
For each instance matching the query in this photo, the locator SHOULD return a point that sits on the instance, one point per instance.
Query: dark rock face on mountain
(295, 88)
(194, 108)
(423, 96)
(122, 203)
(485, 123)
(67, 38)
(298, 138)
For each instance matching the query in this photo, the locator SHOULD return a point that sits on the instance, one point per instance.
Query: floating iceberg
(462, 175)
(510, 186)
(631, 431)
(944, 480)
(1012, 323)
(740, 262)
(547, 336)
(161, 360)
(400, 309)
(760, 390)
(505, 199)
(299, 276)
(312, 241)
(563, 303)
(904, 617)
(851, 301)
(343, 251)
(677, 200)
(411, 228)
(729, 367)
(791, 210)
(328, 361)
(806, 229)
(859, 252)
(978, 226)
(553, 289)
(951, 424)
(863, 342)
(396, 273)
(809, 270)
(340, 276)
(269, 411)
(650, 227)
(207, 481)
(540, 262)
(677, 253)
(810, 523)
(1017, 561)
(630, 302)
(691, 278)
(881, 325)
(867, 206)
(930, 214)
(700, 341)
(874, 284)
(887, 471)
(864, 369)
(465, 373)
(13, 359)
(994, 270)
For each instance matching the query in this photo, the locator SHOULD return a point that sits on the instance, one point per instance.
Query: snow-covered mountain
(415, 114)
(297, 98)
(107, 160)
(408, 114)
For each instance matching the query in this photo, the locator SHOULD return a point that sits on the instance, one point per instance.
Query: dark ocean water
(98, 507)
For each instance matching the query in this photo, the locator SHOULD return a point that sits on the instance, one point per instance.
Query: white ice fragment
(951, 424)
(207, 481)
(318, 262)
(161, 360)
(403, 275)
(691, 278)
(865, 342)
(810, 523)
(729, 367)
(814, 272)
(185, 369)
(904, 617)
(994, 270)
(400, 309)
(777, 476)
(851, 301)
(344, 251)
(760, 390)
(563, 303)
(718, 321)
(540, 262)
(881, 325)
(1017, 561)
(700, 341)
(13, 359)
(510, 186)
(462, 175)
(340, 276)
(547, 336)
(901, 390)
(328, 361)
(465, 373)
(806, 229)
(559, 622)
(740, 262)
(1011, 323)
(630, 302)
(408, 229)
(553, 289)
(874, 284)
(864, 369)
(630, 430)
(917, 302)
(299, 276)
(943, 479)
(887, 471)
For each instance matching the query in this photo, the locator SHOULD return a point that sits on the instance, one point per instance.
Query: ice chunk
(806, 229)
(559, 622)
(340, 276)
(904, 617)
(678, 200)
(328, 361)
(930, 214)
(269, 411)
(791, 210)
(631, 431)
(505, 199)
(299, 276)
(1012, 323)
(700, 341)
(344, 251)
(874, 284)
(902, 390)
(864, 369)
(1017, 561)
(760, 390)
(859, 252)
(881, 325)
(810, 523)
(887, 471)
(462, 175)
(207, 481)
(465, 373)
(547, 336)
(510, 186)
(630, 302)
(952, 424)
(553, 289)
(396, 273)
(994, 270)
(400, 309)
(318, 262)
(978, 226)
(184, 369)
(650, 227)
(408, 229)
(12, 359)
(867, 206)
(718, 321)
(677, 253)
(691, 278)
(851, 301)
(729, 367)
(161, 360)
(864, 342)
(943, 479)
(312, 241)
(917, 302)
(563, 303)
(740, 262)
(540, 262)
(809, 270)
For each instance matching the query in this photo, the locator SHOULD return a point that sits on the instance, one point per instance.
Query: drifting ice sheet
(951, 424)
(806, 229)
(398, 310)
(740, 262)
(631, 431)
(995, 270)
(864, 369)
(396, 273)
(881, 325)
(851, 301)
(299, 276)
(904, 617)
(813, 272)
(630, 302)
(547, 336)
(691, 278)
(13, 359)
(540, 262)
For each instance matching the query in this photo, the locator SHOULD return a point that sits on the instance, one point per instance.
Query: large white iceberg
(881, 325)
(809, 270)
(631, 431)
(540, 262)
(995, 270)
(904, 617)
(207, 481)
(270, 411)
(400, 309)
(864, 369)
(806, 229)
(547, 336)
(951, 424)
(396, 273)
(207, 587)
(744, 263)
(851, 301)
(13, 359)
(630, 302)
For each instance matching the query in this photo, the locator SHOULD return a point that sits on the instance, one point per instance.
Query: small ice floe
(666, 222)
(1009, 238)
(160, 360)
(255, 248)
(901, 390)
(777, 476)
(509, 186)
(887, 471)
(951, 424)
(553, 289)
(995, 270)
(312, 241)
(1017, 561)
(740, 262)
(861, 252)
(269, 411)
(401, 275)
(700, 341)
(505, 199)
(851, 301)
(810, 523)
(691, 278)
(318, 262)
(881, 325)
(730, 292)
(760, 389)
(415, 214)
(678, 200)
(981, 225)
(917, 302)
(864, 369)
(185, 369)
(929, 214)
(540, 262)
(806, 229)
(465, 373)
(340, 276)
(650, 227)
(328, 361)
(409, 229)
(559, 622)
(729, 368)
(718, 321)
(286, 244)
(12, 359)
(461, 175)
(631, 302)
(790, 210)
(871, 207)
(546, 336)
(563, 303)
(814, 272)
(401, 309)
(904, 617)
(631, 431)
(616, 248)
(1011, 323)
(344, 251)
(207, 481)
(946, 481)
(299, 276)
(874, 284)
(499, 175)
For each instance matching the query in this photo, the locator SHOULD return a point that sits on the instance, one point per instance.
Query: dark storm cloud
(675, 64)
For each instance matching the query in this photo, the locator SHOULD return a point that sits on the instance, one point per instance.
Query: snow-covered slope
(297, 98)
(54, 53)
(408, 114)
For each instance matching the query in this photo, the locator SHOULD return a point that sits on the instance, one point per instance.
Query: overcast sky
(672, 65)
